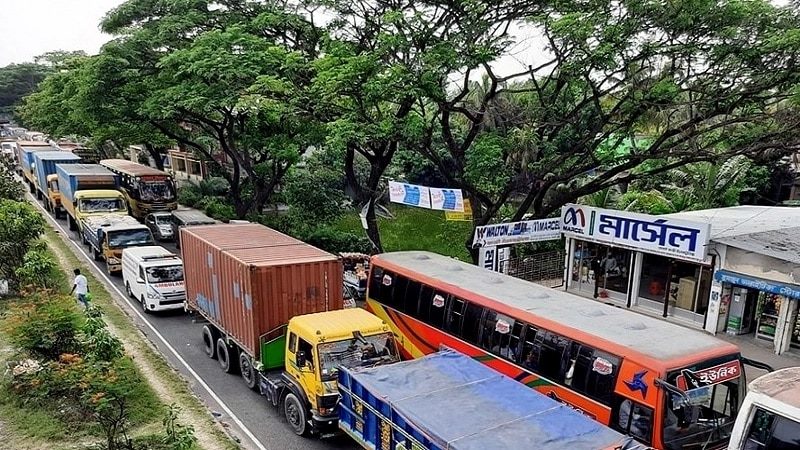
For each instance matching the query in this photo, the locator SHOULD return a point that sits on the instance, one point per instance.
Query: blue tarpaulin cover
(459, 403)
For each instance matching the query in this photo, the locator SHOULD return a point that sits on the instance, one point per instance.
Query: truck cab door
(301, 365)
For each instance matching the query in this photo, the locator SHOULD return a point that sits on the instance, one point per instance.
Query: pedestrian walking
(81, 288)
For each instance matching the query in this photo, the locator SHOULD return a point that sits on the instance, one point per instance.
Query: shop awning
(773, 287)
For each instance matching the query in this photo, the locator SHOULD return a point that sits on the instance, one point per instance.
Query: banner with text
(517, 232)
(409, 194)
(650, 234)
(461, 216)
(447, 199)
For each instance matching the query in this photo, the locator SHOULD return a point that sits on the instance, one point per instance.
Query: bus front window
(704, 420)
(156, 191)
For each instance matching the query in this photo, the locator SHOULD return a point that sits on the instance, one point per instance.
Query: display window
(600, 268)
(684, 285)
(769, 306)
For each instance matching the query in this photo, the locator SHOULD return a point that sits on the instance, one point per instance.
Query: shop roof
(653, 337)
(779, 244)
(743, 220)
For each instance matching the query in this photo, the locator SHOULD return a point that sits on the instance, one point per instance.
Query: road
(178, 337)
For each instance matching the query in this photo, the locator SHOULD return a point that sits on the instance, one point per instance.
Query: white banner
(518, 232)
(410, 194)
(447, 199)
(649, 234)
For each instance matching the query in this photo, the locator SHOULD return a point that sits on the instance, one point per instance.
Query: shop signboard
(773, 287)
(409, 194)
(517, 232)
(487, 258)
(658, 235)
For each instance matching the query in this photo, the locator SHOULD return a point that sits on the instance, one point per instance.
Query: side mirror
(301, 359)
(140, 280)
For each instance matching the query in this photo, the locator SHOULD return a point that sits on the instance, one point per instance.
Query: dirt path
(208, 432)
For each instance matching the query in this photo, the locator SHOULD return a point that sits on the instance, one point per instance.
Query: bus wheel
(295, 414)
(210, 342)
(249, 373)
(227, 356)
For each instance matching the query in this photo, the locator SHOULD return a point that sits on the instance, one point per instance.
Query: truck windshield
(378, 349)
(91, 205)
(164, 274)
(156, 191)
(129, 238)
(715, 390)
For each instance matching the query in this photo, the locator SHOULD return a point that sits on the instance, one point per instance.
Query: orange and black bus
(667, 386)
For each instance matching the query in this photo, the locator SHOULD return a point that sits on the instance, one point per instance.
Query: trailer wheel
(295, 414)
(210, 342)
(249, 373)
(227, 357)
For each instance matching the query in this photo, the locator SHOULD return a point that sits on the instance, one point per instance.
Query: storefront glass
(685, 285)
(769, 306)
(606, 266)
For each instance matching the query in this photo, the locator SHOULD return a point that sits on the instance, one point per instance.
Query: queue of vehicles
(274, 313)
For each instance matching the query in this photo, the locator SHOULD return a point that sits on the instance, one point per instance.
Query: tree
(721, 91)
(17, 81)
(21, 225)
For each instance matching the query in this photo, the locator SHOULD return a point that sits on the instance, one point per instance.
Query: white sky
(31, 27)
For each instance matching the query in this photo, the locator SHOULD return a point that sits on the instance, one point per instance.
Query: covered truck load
(45, 164)
(77, 177)
(447, 400)
(248, 279)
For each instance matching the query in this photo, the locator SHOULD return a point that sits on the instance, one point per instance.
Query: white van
(770, 415)
(154, 277)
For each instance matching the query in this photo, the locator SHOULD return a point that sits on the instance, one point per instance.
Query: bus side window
(603, 369)
(398, 295)
(438, 308)
(454, 316)
(424, 293)
(496, 336)
(471, 330)
(633, 419)
(530, 350)
(376, 288)
(554, 358)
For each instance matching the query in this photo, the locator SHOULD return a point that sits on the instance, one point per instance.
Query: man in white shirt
(80, 287)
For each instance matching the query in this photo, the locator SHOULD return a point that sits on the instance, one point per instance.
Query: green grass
(416, 229)
(34, 422)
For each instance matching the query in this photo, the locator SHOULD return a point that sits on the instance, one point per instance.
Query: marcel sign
(652, 234)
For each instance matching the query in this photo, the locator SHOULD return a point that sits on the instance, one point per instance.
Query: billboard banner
(461, 216)
(410, 194)
(517, 232)
(650, 234)
(447, 199)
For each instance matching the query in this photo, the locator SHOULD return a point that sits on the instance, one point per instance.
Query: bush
(45, 328)
(39, 268)
(189, 195)
(217, 209)
(21, 224)
(336, 241)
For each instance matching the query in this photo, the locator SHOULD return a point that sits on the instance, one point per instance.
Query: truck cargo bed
(446, 400)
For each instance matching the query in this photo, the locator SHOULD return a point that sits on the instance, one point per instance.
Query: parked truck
(44, 169)
(108, 235)
(153, 276)
(25, 152)
(769, 418)
(447, 400)
(86, 190)
(247, 281)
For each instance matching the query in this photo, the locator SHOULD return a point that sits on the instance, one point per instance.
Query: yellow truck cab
(88, 190)
(108, 235)
(53, 195)
(313, 348)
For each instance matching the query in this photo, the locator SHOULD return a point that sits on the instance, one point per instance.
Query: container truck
(44, 168)
(108, 235)
(153, 276)
(25, 151)
(770, 414)
(86, 190)
(247, 281)
(447, 400)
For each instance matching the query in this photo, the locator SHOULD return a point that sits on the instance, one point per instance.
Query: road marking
(135, 309)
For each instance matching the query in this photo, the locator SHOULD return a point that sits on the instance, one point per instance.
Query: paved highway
(178, 337)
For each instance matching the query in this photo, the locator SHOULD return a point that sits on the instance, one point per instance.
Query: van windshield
(164, 274)
(715, 390)
(377, 349)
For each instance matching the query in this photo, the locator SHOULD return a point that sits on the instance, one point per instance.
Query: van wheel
(210, 342)
(249, 373)
(295, 414)
(227, 357)
(128, 290)
(144, 306)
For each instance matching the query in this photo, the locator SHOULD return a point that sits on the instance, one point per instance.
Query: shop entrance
(601, 270)
(740, 304)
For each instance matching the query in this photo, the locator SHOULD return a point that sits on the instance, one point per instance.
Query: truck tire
(71, 223)
(249, 373)
(210, 341)
(97, 255)
(227, 357)
(296, 414)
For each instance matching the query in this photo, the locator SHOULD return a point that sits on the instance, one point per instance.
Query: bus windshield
(156, 191)
(165, 274)
(375, 349)
(129, 238)
(91, 205)
(715, 390)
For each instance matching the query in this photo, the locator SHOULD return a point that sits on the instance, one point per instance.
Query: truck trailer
(86, 190)
(44, 168)
(25, 151)
(447, 400)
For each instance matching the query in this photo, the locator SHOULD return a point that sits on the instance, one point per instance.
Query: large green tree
(17, 81)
